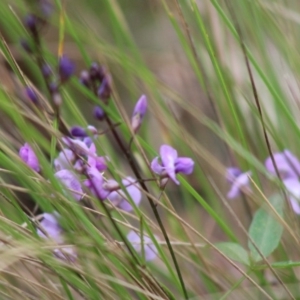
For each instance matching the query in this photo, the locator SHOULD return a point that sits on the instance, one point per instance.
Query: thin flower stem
(136, 172)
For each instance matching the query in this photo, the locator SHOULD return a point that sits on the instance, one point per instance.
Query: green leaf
(265, 230)
(235, 252)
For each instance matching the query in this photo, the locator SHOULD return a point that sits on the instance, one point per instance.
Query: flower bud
(92, 129)
(99, 113)
(66, 68)
(28, 156)
(97, 72)
(31, 23)
(31, 94)
(139, 113)
(78, 131)
(104, 90)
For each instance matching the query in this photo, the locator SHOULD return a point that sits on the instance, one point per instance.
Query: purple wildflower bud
(94, 69)
(95, 184)
(51, 227)
(97, 72)
(66, 68)
(26, 46)
(99, 113)
(293, 187)
(64, 160)
(240, 183)
(92, 129)
(85, 78)
(31, 23)
(31, 95)
(70, 181)
(119, 198)
(78, 132)
(171, 163)
(46, 70)
(142, 247)
(139, 113)
(287, 164)
(28, 156)
(104, 90)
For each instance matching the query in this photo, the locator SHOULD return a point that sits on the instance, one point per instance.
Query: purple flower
(97, 72)
(287, 164)
(28, 156)
(66, 68)
(70, 181)
(95, 183)
(86, 148)
(78, 131)
(171, 163)
(119, 197)
(139, 113)
(293, 187)
(99, 113)
(145, 247)
(31, 95)
(238, 181)
(31, 23)
(51, 227)
(104, 90)
(64, 160)
(79, 147)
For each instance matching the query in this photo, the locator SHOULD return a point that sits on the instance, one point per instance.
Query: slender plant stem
(136, 172)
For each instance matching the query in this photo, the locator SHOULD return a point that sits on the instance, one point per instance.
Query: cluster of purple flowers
(78, 167)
